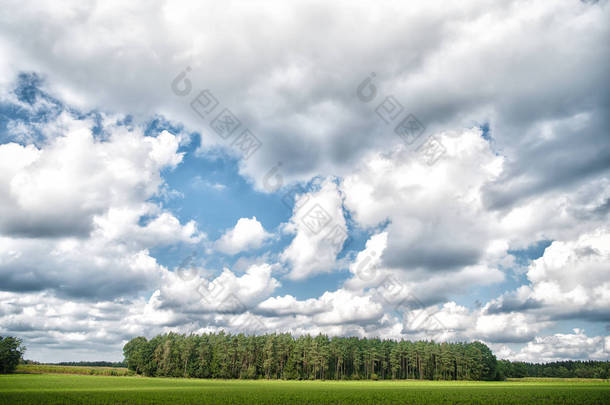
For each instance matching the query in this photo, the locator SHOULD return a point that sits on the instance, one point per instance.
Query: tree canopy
(282, 356)
(561, 369)
(11, 353)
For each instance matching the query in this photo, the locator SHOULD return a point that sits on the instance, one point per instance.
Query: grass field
(85, 389)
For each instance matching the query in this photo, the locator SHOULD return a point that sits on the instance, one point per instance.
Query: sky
(428, 170)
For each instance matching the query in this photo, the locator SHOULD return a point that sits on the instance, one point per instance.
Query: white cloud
(320, 231)
(366, 268)
(570, 280)
(346, 307)
(247, 234)
(78, 215)
(514, 327)
(186, 291)
(56, 329)
(564, 346)
(201, 184)
(57, 190)
(289, 305)
(437, 223)
(332, 308)
(76, 205)
(300, 99)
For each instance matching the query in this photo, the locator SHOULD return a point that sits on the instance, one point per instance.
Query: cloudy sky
(432, 171)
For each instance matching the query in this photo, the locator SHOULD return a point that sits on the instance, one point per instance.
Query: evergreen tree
(275, 356)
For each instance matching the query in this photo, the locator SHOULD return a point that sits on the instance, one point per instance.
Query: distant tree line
(560, 369)
(282, 356)
(116, 364)
(91, 364)
(11, 353)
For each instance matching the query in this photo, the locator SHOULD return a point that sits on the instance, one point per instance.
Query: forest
(282, 356)
(559, 369)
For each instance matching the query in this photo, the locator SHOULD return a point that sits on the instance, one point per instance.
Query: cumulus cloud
(436, 221)
(320, 231)
(428, 207)
(76, 206)
(570, 281)
(527, 81)
(247, 234)
(58, 190)
(300, 99)
(289, 305)
(54, 327)
(564, 346)
(190, 291)
(332, 308)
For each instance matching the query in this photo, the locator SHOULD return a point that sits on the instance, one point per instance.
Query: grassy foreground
(86, 389)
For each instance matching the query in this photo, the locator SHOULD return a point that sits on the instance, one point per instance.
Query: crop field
(91, 389)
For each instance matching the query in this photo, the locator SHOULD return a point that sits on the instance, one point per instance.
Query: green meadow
(97, 389)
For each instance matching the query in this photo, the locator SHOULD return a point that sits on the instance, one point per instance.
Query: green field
(85, 389)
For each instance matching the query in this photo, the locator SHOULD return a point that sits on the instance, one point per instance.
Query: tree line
(282, 356)
(115, 364)
(560, 369)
